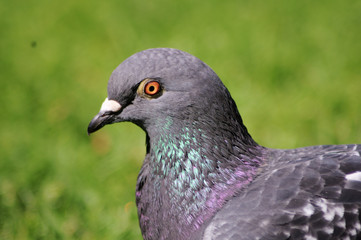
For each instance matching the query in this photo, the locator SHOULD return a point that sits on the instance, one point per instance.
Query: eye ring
(151, 88)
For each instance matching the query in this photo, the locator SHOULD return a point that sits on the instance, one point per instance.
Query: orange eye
(152, 88)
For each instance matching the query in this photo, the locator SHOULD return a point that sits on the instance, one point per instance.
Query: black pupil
(151, 89)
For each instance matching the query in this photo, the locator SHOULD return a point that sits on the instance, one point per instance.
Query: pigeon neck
(194, 169)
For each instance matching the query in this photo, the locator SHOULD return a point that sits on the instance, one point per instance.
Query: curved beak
(99, 121)
(105, 116)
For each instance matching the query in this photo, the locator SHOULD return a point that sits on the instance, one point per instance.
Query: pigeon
(204, 177)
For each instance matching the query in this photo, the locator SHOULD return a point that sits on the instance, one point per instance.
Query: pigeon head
(199, 153)
(156, 86)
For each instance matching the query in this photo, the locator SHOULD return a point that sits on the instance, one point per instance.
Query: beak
(99, 121)
(105, 116)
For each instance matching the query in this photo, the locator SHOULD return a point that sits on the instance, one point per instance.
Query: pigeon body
(203, 175)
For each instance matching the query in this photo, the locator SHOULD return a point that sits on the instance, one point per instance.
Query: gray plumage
(203, 175)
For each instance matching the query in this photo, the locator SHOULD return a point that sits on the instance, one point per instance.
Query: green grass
(293, 67)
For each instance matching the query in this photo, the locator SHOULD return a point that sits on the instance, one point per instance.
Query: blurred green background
(293, 67)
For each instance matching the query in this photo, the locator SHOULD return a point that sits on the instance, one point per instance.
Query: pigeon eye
(151, 88)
